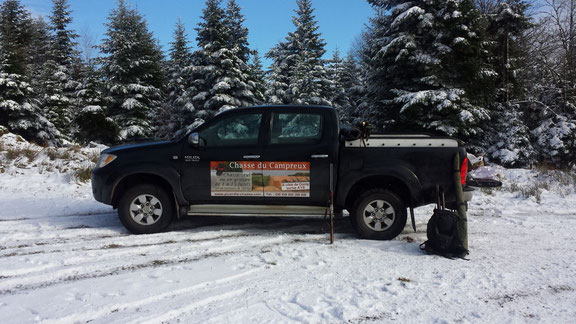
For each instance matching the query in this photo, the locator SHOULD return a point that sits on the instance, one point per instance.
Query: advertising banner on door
(252, 179)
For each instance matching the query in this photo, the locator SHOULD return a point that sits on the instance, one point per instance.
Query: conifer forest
(498, 74)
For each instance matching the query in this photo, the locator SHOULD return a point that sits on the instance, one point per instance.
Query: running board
(255, 210)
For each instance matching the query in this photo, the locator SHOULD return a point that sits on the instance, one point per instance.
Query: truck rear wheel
(379, 215)
(145, 209)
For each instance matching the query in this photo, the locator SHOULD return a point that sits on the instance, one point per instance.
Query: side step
(255, 210)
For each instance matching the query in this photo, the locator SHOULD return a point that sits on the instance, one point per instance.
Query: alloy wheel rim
(379, 215)
(146, 209)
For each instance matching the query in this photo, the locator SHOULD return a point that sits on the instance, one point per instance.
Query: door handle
(319, 156)
(251, 157)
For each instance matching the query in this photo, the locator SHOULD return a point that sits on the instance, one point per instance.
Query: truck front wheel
(379, 215)
(145, 209)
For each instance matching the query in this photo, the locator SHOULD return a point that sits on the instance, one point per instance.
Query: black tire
(152, 209)
(379, 214)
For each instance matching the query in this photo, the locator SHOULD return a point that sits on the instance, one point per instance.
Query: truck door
(296, 159)
(225, 166)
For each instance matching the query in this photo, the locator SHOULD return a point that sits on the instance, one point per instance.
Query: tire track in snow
(211, 293)
(287, 228)
(114, 246)
(21, 284)
(75, 234)
(207, 287)
(93, 274)
(261, 284)
(174, 313)
(57, 216)
(114, 253)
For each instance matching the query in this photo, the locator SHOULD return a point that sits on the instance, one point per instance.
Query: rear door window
(296, 128)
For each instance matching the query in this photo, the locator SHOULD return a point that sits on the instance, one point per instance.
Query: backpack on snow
(442, 232)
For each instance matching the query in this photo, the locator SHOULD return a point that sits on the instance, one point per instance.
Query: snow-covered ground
(65, 258)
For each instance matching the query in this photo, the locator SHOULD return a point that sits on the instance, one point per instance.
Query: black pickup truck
(278, 160)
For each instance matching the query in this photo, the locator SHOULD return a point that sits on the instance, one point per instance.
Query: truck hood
(135, 147)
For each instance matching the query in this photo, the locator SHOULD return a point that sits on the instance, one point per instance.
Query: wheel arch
(139, 178)
(389, 182)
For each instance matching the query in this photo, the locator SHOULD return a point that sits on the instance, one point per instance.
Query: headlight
(105, 159)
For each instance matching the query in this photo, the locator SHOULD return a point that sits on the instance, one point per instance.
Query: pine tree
(238, 38)
(373, 39)
(132, 71)
(63, 40)
(297, 74)
(178, 110)
(506, 26)
(17, 35)
(57, 78)
(54, 103)
(221, 73)
(511, 145)
(18, 110)
(40, 52)
(426, 62)
(240, 73)
(279, 74)
(91, 106)
(257, 78)
(507, 136)
(335, 74)
(353, 82)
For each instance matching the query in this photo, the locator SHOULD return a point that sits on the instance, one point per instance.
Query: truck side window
(239, 130)
(295, 128)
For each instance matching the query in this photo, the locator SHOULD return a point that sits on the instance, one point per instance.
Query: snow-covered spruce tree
(53, 102)
(16, 34)
(91, 110)
(347, 88)
(39, 53)
(556, 139)
(220, 73)
(238, 38)
(132, 71)
(297, 74)
(510, 137)
(506, 26)
(212, 38)
(279, 74)
(335, 73)
(244, 88)
(257, 78)
(354, 83)
(18, 110)
(177, 111)
(58, 77)
(507, 137)
(379, 85)
(250, 67)
(426, 62)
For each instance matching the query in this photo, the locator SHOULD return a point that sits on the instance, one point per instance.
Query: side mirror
(194, 139)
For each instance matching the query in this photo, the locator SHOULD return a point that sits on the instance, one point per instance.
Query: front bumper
(101, 190)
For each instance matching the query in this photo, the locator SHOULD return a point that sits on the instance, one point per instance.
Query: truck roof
(295, 107)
